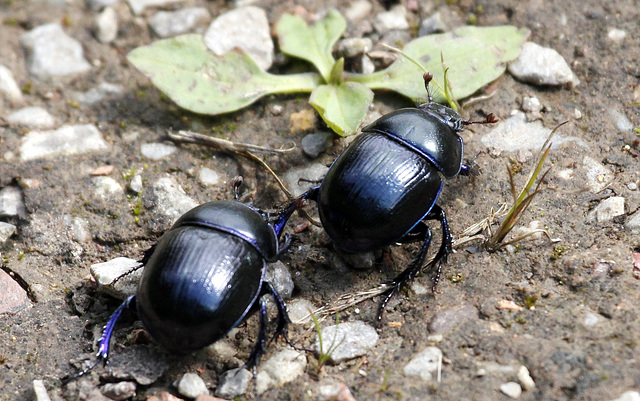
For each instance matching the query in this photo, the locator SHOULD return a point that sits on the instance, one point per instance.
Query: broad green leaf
(197, 80)
(343, 107)
(314, 43)
(475, 57)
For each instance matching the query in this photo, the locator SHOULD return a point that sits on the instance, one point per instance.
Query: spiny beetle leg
(103, 345)
(259, 348)
(437, 213)
(283, 318)
(414, 268)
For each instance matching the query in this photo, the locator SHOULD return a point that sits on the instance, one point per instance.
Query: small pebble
(136, 184)
(107, 187)
(279, 277)
(352, 47)
(432, 24)
(11, 203)
(394, 19)
(525, 378)
(13, 298)
(233, 383)
(347, 340)
(616, 35)
(105, 25)
(8, 86)
(100, 92)
(542, 66)
(245, 28)
(511, 390)
(97, 5)
(138, 6)
(164, 396)
(157, 151)
(119, 391)
(300, 179)
(172, 23)
(31, 117)
(621, 121)
(633, 223)
(6, 231)
(358, 10)
(629, 396)
(208, 177)
(107, 272)
(40, 391)
(78, 227)
(609, 208)
(68, 140)
(282, 368)
(425, 364)
(299, 310)
(314, 144)
(52, 53)
(598, 176)
(334, 392)
(191, 385)
(170, 201)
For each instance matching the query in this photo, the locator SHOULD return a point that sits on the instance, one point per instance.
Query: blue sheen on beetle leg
(259, 348)
(298, 203)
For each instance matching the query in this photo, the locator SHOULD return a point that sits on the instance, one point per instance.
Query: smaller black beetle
(382, 188)
(204, 277)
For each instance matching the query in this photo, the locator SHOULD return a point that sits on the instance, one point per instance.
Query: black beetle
(382, 188)
(204, 277)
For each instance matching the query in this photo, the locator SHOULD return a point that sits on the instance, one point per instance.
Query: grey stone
(598, 176)
(425, 364)
(52, 53)
(609, 208)
(314, 144)
(621, 121)
(191, 385)
(282, 368)
(352, 47)
(245, 28)
(280, 278)
(107, 187)
(515, 133)
(157, 151)
(100, 92)
(299, 310)
(511, 390)
(119, 391)
(542, 66)
(31, 117)
(233, 383)
(141, 363)
(629, 396)
(11, 203)
(8, 85)
(97, 5)
(313, 172)
(432, 24)
(633, 224)
(171, 201)
(138, 6)
(171, 23)
(616, 35)
(208, 177)
(68, 140)
(78, 226)
(105, 25)
(394, 19)
(358, 10)
(347, 340)
(127, 270)
(136, 184)
(40, 391)
(6, 231)
(445, 320)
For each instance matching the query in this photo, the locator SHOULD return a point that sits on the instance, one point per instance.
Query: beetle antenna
(427, 78)
(490, 119)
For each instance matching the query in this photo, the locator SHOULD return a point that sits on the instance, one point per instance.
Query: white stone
(6, 231)
(208, 176)
(425, 364)
(616, 35)
(191, 385)
(347, 340)
(598, 176)
(138, 6)
(107, 187)
(358, 10)
(629, 396)
(312, 172)
(171, 200)
(511, 390)
(106, 25)
(299, 310)
(157, 151)
(610, 208)
(68, 140)
(11, 203)
(524, 377)
(633, 224)
(245, 28)
(136, 184)
(8, 85)
(280, 369)
(31, 117)
(392, 19)
(171, 23)
(123, 268)
(542, 66)
(52, 53)
(40, 391)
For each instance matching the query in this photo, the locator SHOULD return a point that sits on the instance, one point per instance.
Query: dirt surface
(562, 287)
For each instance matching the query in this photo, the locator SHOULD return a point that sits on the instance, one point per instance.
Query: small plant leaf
(314, 43)
(343, 107)
(474, 56)
(197, 80)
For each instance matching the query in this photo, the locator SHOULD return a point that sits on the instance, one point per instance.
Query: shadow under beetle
(383, 187)
(205, 276)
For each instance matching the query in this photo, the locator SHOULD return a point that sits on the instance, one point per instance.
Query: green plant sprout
(325, 356)
(522, 201)
(186, 71)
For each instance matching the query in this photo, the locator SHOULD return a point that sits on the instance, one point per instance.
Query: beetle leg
(437, 213)
(258, 349)
(283, 318)
(103, 344)
(410, 272)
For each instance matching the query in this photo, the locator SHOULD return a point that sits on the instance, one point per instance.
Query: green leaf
(343, 107)
(475, 57)
(314, 43)
(197, 80)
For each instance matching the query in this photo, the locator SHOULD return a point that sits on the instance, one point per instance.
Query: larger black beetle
(204, 277)
(384, 186)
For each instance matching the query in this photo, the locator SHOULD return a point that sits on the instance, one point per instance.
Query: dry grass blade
(522, 201)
